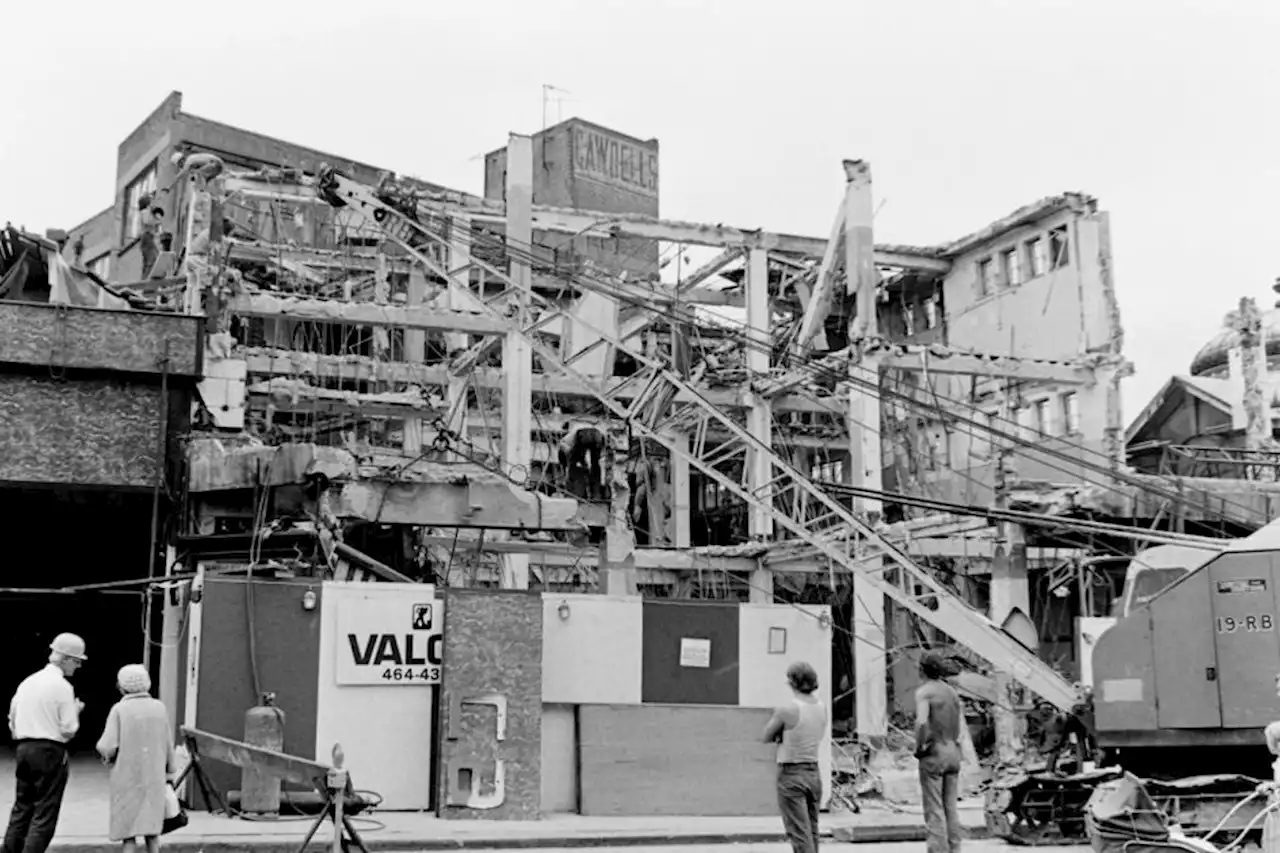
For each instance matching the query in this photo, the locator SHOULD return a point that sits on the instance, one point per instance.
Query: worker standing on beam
(43, 716)
(938, 722)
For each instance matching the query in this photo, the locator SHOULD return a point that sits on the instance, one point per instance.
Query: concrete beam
(544, 570)
(577, 223)
(707, 270)
(364, 313)
(366, 261)
(280, 362)
(566, 555)
(481, 500)
(698, 234)
(934, 360)
(819, 303)
(327, 259)
(980, 550)
(291, 396)
(213, 466)
(728, 298)
(922, 359)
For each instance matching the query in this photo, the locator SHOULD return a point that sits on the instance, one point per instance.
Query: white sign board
(383, 640)
(695, 652)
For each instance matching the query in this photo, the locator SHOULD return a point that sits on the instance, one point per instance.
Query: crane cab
(1194, 664)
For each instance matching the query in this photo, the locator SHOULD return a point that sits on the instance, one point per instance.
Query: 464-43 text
(411, 673)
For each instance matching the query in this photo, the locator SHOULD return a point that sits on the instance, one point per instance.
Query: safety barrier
(331, 781)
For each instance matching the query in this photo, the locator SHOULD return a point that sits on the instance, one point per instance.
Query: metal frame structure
(490, 292)
(658, 404)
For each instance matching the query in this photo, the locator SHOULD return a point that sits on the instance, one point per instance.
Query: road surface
(979, 846)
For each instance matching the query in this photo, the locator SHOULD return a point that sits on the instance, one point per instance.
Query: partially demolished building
(398, 382)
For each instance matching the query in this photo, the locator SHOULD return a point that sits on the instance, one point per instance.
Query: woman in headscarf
(138, 744)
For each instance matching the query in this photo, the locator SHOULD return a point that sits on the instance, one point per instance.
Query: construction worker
(938, 751)
(43, 716)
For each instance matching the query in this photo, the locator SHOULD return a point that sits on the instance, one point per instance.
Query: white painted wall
(763, 676)
(1059, 315)
(386, 731)
(596, 654)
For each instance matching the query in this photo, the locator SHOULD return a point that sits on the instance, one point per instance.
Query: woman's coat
(138, 743)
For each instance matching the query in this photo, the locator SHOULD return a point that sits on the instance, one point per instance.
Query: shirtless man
(938, 722)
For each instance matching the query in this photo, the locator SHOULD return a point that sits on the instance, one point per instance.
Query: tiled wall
(491, 716)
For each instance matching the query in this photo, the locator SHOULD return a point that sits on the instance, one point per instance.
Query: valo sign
(389, 640)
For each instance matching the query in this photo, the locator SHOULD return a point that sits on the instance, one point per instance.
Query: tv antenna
(547, 90)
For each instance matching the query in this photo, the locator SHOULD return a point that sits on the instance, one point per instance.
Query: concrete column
(617, 568)
(870, 669)
(1010, 590)
(1010, 594)
(681, 532)
(861, 275)
(415, 352)
(460, 277)
(517, 355)
(869, 659)
(759, 417)
(1011, 605)
(1253, 368)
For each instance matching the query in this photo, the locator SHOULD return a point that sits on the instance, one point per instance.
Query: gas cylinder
(263, 728)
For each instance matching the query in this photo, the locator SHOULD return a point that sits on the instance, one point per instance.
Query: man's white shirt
(44, 708)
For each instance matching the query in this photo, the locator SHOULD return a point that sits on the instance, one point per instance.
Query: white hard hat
(69, 645)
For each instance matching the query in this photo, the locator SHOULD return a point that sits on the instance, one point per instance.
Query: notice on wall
(384, 640)
(695, 652)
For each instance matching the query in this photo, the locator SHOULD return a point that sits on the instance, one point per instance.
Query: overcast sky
(1165, 110)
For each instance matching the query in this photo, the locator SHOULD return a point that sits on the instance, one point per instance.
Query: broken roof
(1025, 215)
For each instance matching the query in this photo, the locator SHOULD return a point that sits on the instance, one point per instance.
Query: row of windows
(1049, 416)
(929, 314)
(828, 472)
(1018, 264)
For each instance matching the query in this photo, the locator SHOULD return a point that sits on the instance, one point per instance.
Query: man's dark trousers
(42, 779)
(939, 800)
(799, 793)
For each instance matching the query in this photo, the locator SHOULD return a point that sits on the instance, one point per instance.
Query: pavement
(82, 827)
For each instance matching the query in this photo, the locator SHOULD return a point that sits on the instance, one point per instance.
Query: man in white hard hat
(43, 716)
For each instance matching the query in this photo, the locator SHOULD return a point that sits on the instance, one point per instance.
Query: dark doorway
(60, 538)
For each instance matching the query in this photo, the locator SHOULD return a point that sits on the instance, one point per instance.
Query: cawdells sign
(389, 641)
(615, 160)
